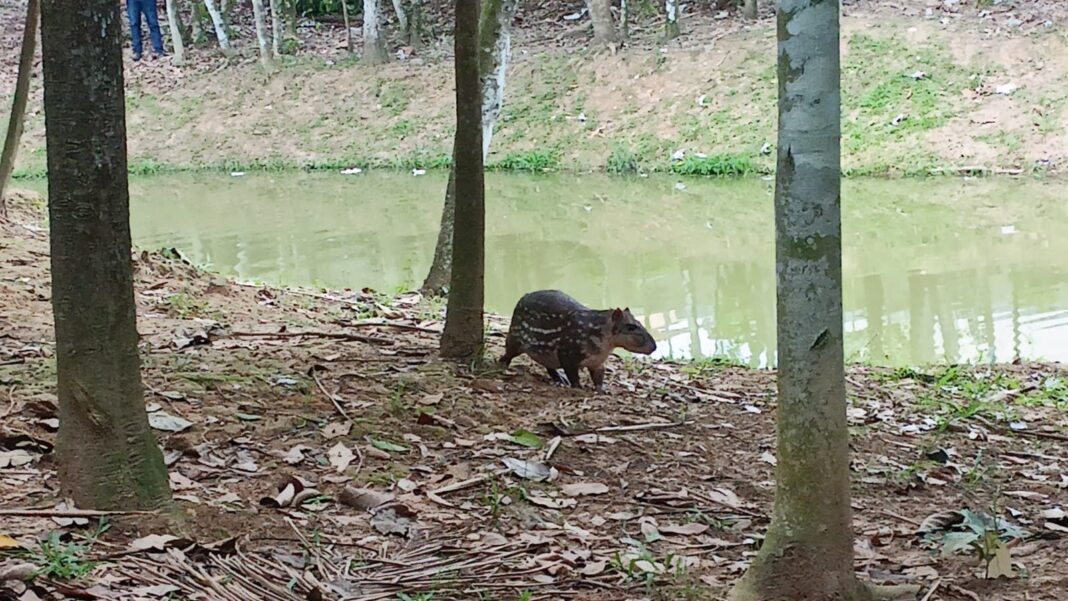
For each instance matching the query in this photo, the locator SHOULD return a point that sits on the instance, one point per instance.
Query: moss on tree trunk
(808, 552)
(106, 455)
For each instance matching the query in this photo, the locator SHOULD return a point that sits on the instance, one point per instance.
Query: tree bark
(276, 27)
(604, 32)
(261, 34)
(624, 18)
(291, 18)
(671, 23)
(220, 26)
(374, 48)
(808, 551)
(402, 18)
(175, 24)
(749, 9)
(415, 25)
(495, 42)
(463, 335)
(348, 28)
(106, 455)
(18, 103)
(196, 26)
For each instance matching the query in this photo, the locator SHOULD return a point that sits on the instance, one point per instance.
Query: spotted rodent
(557, 331)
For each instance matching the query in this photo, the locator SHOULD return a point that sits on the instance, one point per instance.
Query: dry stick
(312, 334)
(652, 426)
(18, 361)
(468, 483)
(267, 589)
(934, 587)
(68, 513)
(333, 398)
(311, 549)
(1031, 433)
(399, 326)
(898, 516)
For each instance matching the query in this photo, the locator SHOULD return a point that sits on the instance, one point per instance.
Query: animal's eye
(632, 327)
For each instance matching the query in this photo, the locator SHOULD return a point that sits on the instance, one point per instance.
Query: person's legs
(149, 8)
(133, 11)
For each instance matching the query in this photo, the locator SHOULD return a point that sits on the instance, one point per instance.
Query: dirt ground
(322, 451)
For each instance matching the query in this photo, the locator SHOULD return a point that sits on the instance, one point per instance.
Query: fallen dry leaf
(340, 456)
(689, 529)
(579, 489)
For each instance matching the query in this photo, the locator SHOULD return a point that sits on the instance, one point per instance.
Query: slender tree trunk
(604, 32)
(749, 9)
(18, 103)
(462, 337)
(276, 27)
(415, 25)
(261, 34)
(197, 25)
(348, 28)
(175, 25)
(402, 18)
(106, 455)
(220, 26)
(624, 18)
(291, 18)
(808, 551)
(495, 35)
(671, 24)
(374, 48)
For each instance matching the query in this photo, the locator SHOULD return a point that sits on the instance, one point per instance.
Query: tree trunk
(671, 24)
(624, 17)
(291, 18)
(261, 33)
(749, 9)
(276, 27)
(106, 455)
(197, 27)
(415, 25)
(402, 19)
(495, 42)
(175, 25)
(348, 28)
(462, 337)
(808, 551)
(220, 26)
(18, 103)
(604, 32)
(374, 48)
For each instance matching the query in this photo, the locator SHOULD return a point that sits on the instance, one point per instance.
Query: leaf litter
(502, 483)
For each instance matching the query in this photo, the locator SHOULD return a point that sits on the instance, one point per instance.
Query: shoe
(158, 55)
(136, 57)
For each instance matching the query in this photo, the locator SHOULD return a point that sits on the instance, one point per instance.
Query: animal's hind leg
(554, 375)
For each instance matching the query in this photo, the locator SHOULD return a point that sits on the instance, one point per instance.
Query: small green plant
(184, 306)
(717, 165)
(705, 365)
(58, 559)
(533, 161)
(415, 597)
(981, 533)
(623, 160)
(396, 406)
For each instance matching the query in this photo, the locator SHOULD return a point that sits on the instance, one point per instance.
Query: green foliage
(717, 165)
(533, 161)
(62, 560)
(623, 160)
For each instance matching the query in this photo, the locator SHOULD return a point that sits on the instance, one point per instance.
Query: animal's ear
(627, 309)
(617, 315)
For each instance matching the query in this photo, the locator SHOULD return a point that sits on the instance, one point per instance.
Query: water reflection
(935, 270)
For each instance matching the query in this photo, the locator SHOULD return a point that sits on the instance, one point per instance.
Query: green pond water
(936, 270)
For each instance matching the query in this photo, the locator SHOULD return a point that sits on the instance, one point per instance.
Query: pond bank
(658, 489)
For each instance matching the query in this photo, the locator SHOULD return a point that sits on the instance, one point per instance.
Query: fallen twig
(333, 398)
(68, 513)
(650, 426)
(313, 334)
(931, 591)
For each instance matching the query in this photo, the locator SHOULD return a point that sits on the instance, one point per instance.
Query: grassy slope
(638, 108)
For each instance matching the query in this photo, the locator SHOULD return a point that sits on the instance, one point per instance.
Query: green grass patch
(717, 165)
(532, 160)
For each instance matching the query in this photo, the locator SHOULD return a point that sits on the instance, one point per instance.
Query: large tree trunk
(276, 27)
(462, 337)
(402, 18)
(106, 455)
(671, 22)
(374, 47)
(175, 25)
(291, 18)
(749, 9)
(261, 33)
(495, 42)
(808, 551)
(604, 32)
(220, 26)
(348, 28)
(18, 103)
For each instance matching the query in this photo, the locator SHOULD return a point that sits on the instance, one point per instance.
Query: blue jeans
(135, 9)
